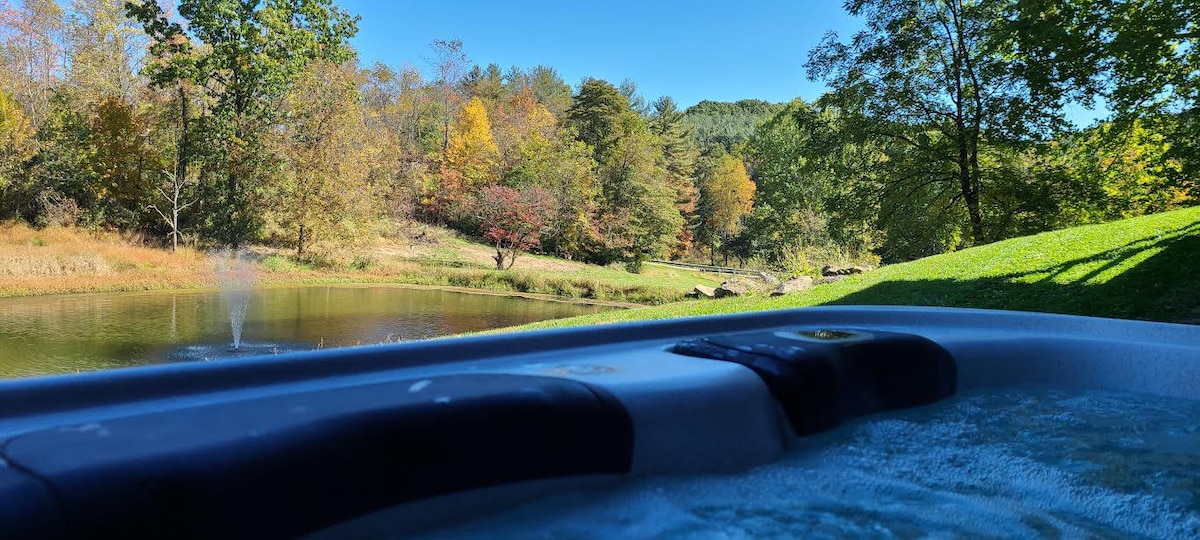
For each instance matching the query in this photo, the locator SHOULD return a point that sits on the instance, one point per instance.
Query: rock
(831, 270)
(830, 279)
(733, 287)
(703, 292)
(792, 285)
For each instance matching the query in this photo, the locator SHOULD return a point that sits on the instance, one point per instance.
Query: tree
(254, 50)
(102, 46)
(486, 84)
(1139, 56)
(17, 141)
(725, 125)
(450, 63)
(472, 151)
(323, 194)
(564, 167)
(679, 159)
(595, 115)
(173, 191)
(119, 158)
(925, 78)
(550, 90)
(518, 122)
(637, 215)
(31, 40)
(728, 196)
(512, 220)
(814, 189)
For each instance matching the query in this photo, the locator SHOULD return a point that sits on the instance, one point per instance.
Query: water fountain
(236, 277)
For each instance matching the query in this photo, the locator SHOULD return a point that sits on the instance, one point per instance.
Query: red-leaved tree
(512, 219)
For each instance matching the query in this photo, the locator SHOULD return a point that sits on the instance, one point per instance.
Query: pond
(71, 333)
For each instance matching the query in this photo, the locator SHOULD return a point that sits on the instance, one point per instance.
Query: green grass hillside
(1142, 268)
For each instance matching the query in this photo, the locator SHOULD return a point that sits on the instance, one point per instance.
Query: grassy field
(64, 260)
(1143, 268)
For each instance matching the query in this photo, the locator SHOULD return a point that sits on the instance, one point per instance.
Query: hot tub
(876, 421)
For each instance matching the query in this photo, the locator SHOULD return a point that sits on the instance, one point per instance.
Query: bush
(362, 262)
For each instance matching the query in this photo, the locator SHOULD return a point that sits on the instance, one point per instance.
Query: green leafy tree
(243, 56)
(1139, 56)
(596, 115)
(637, 217)
(679, 156)
(565, 169)
(725, 125)
(926, 81)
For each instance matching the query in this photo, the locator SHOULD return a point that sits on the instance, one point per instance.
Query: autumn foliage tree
(472, 150)
(728, 197)
(16, 139)
(512, 220)
(323, 194)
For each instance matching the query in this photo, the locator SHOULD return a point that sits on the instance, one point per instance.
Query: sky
(689, 50)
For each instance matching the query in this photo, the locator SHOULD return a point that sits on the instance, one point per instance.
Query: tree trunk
(300, 242)
(499, 257)
(968, 187)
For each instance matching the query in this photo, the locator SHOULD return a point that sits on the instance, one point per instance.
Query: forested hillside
(946, 125)
(724, 125)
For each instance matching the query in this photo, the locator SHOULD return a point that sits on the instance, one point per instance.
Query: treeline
(228, 122)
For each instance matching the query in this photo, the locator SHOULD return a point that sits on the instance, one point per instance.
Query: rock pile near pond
(734, 287)
(831, 270)
(792, 285)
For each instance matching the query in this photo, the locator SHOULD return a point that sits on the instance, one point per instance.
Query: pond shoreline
(337, 281)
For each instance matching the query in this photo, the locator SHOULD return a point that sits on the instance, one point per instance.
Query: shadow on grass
(1163, 287)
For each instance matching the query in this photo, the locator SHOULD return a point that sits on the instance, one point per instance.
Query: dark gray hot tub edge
(367, 441)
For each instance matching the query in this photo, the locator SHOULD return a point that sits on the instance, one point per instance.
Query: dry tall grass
(69, 260)
(65, 259)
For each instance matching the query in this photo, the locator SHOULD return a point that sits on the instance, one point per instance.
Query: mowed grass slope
(1142, 268)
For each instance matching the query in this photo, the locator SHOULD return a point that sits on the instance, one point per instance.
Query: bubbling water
(235, 275)
(1027, 463)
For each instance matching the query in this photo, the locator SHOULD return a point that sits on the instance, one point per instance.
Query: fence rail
(758, 274)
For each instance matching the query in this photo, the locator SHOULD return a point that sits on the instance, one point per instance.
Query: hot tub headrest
(822, 378)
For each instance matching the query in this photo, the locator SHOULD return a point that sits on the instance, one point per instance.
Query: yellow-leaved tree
(323, 196)
(472, 150)
(16, 139)
(727, 196)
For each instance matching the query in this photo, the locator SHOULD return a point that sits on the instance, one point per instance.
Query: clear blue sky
(689, 50)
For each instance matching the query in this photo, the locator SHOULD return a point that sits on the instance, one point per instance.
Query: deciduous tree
(925, 78)
(472, 150)
(253, 51)
(323, 196)
(512, 220)
(728, 196)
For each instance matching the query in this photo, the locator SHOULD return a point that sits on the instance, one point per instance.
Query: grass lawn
(1142, 268)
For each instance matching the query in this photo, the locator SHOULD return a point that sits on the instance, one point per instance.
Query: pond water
(70, 333)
